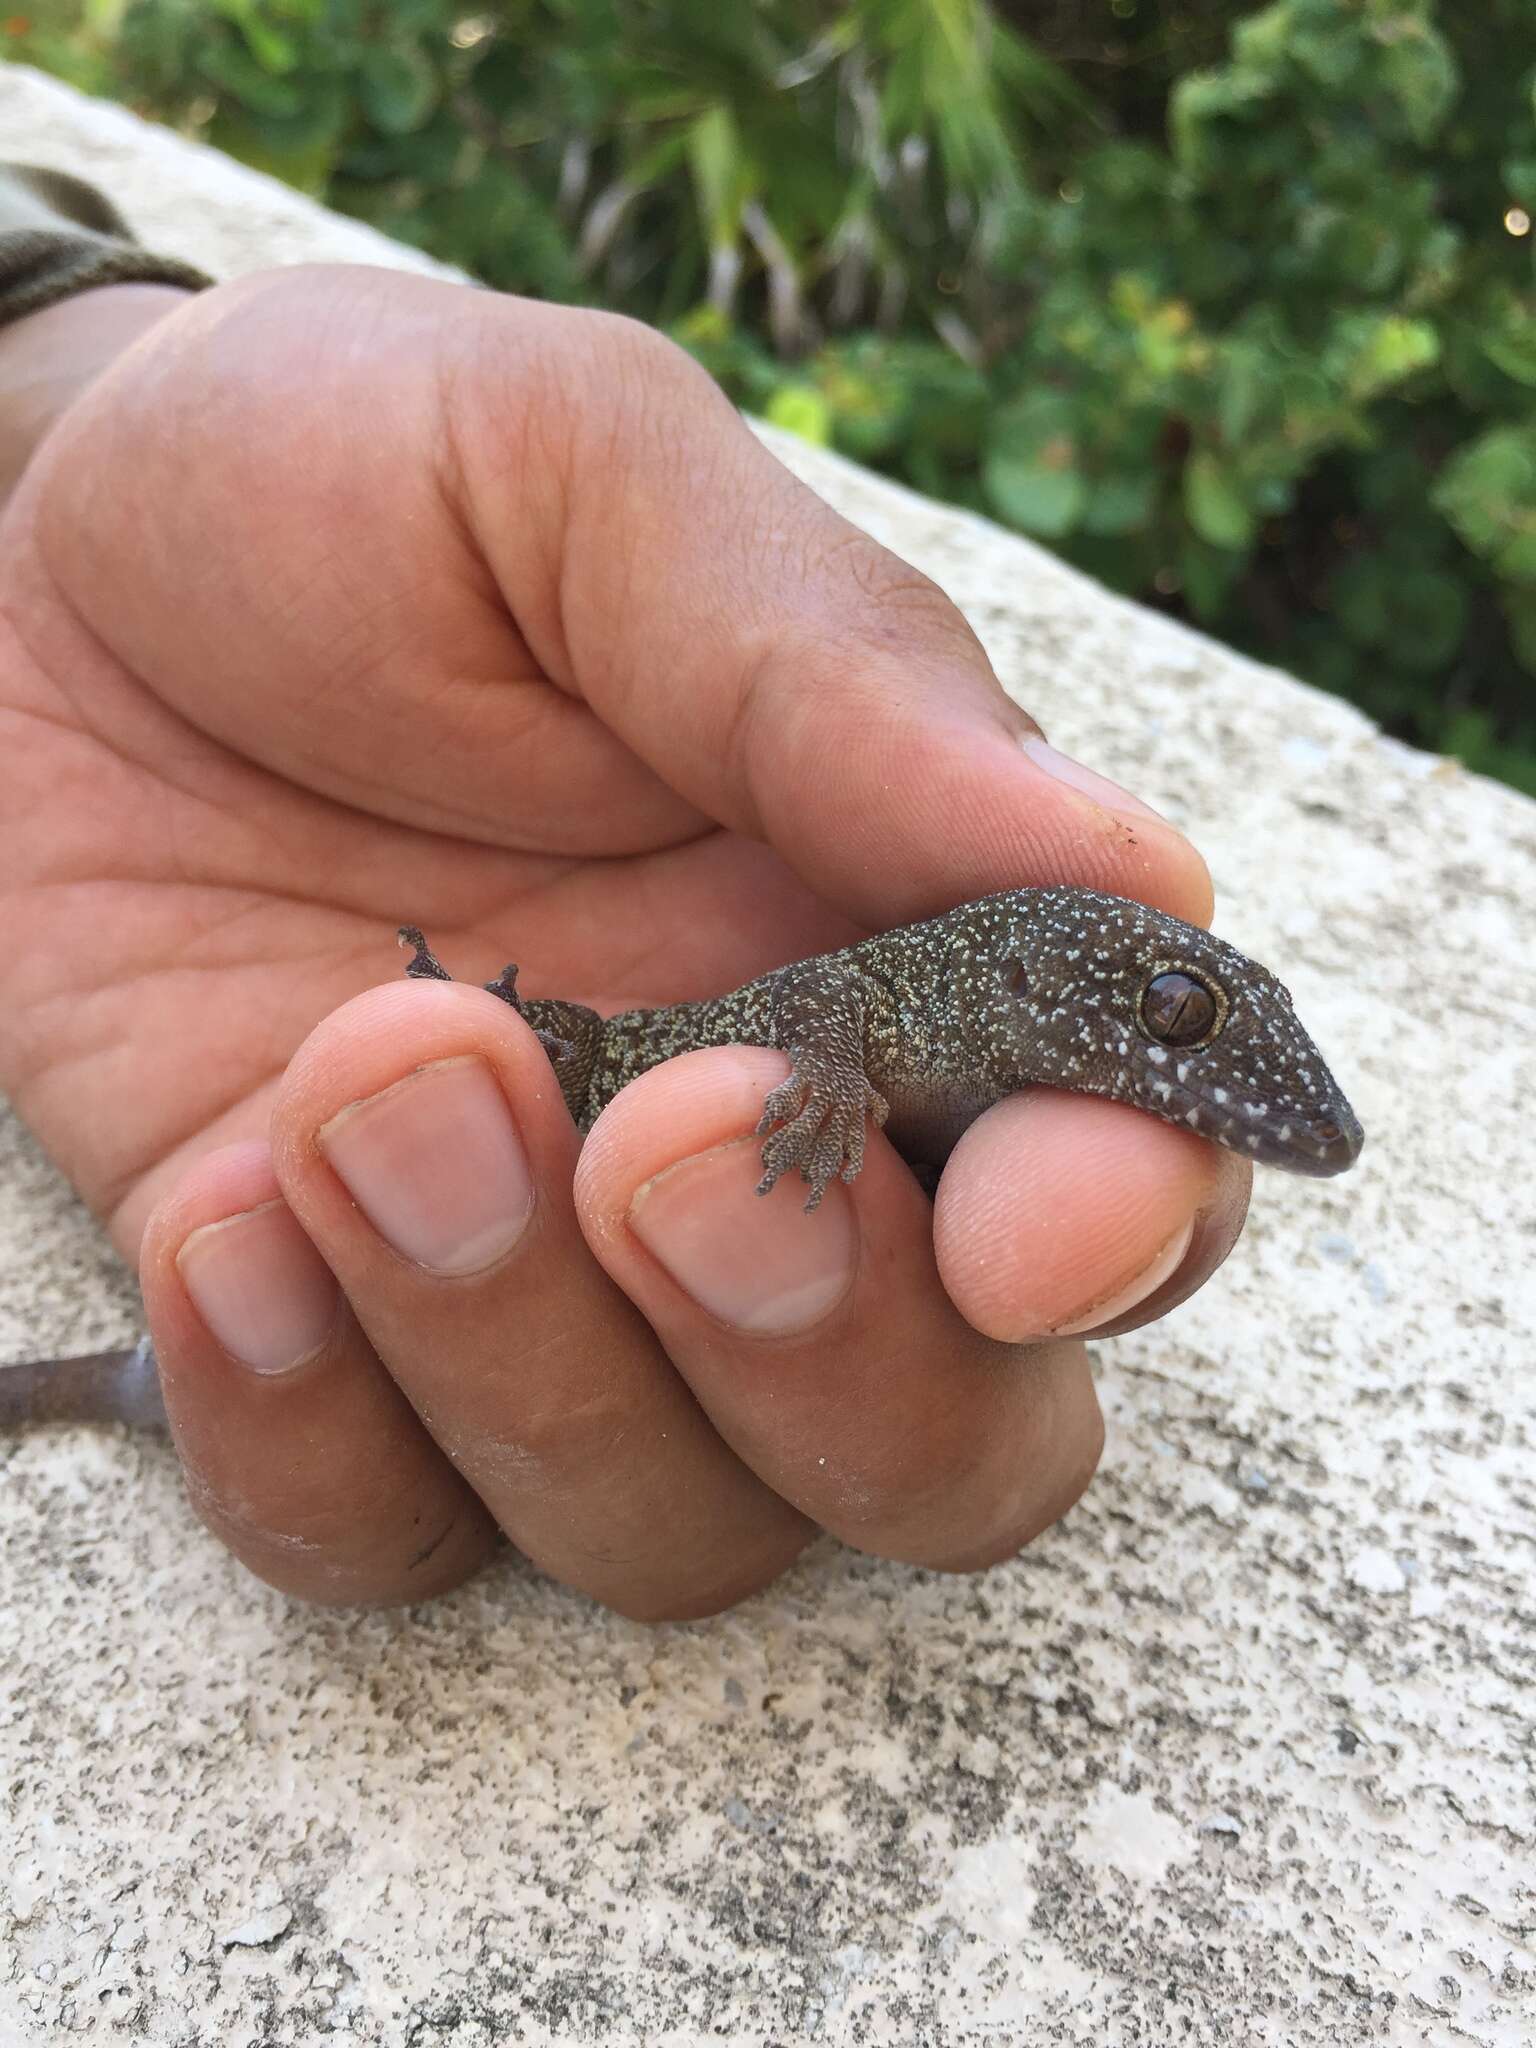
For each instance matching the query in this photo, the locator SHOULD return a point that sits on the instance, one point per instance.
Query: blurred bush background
(1233, 306)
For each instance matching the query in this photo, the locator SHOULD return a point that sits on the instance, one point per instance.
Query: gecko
(920, 1029)
(916, 1030)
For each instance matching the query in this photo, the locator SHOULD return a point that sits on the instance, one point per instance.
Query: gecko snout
(1330, 1144)
(1317, 1134)
(1292, 1139)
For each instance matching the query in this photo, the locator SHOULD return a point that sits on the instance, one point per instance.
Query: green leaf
(1382, 350)
(801, 409)
(1262, 42)
(1360, 600)
(1207, 575)
(1120, 504)
(1470, 734)
(397, 87)
(301, 149)
(1039, 500)
(1329, 53)
(1395, 604)
(272, 50)
(1488, 493)
(1030, 469)
(723, 176)
(1420, 72)
(1162, 339)
(1200, 105)
(1507, 337)
(230, 65)
(703, 327)
(1214, 503)
(1244, 380)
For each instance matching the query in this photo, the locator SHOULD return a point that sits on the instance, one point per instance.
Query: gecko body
(922, 1028)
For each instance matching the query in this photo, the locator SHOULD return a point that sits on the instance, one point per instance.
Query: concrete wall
(1241, 1753)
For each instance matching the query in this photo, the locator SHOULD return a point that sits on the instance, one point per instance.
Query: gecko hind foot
(555, 1047)
(425, 965)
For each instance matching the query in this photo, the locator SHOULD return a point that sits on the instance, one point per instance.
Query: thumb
(778, 668)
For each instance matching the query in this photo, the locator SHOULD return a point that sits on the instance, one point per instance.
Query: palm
(176, 989)
(239, 765)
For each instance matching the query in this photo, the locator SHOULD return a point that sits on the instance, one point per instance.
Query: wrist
(48, 358)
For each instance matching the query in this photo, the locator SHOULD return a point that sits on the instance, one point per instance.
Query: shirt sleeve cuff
(60, 236)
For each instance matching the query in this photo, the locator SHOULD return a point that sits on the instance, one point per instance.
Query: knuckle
(633, 388)
(892, 601)
(620, 342)
(569, 391)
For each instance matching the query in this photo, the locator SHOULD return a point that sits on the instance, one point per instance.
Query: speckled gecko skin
(922, 1028)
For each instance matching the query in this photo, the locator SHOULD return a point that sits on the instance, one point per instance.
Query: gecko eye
(1176, 1009)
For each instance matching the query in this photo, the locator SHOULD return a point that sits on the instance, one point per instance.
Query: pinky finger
(300, 1452)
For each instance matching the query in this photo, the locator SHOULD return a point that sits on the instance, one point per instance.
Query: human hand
(346, 597)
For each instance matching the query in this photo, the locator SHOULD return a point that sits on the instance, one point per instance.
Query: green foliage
(1234, 307)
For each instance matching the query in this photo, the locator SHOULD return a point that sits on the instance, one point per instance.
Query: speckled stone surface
(1242, 1753)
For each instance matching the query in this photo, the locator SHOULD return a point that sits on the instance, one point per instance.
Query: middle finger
(422, 1142)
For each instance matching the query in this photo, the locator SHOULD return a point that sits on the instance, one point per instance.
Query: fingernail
(756, 1262)
(263, 1290)
(1109, 795)
(436, 1165)
(1124, 1299)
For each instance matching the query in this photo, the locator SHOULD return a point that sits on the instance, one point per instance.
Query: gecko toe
(784, 1150)
(783, 1104)
(824, 1164)
(820, 1130)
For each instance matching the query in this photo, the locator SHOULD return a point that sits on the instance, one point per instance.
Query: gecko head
(1080, 990)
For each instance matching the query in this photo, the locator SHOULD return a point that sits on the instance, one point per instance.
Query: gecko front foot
(820, 1111)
